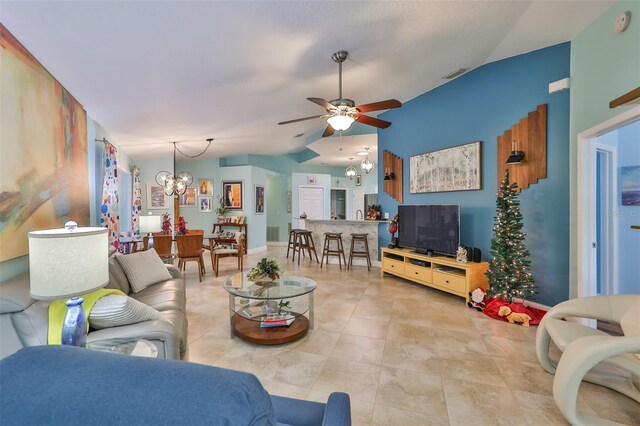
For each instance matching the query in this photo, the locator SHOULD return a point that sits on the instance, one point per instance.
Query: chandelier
(177, 184)
(366, 165)
(351, 171)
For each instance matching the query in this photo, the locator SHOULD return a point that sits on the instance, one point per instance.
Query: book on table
(282, 320)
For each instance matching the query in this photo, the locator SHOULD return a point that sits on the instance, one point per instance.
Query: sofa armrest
(160, 333)
(175, 272)
(338, 410)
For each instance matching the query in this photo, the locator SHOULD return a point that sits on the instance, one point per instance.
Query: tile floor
(406, 354)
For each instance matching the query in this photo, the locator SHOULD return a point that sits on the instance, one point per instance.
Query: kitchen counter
(346, 227)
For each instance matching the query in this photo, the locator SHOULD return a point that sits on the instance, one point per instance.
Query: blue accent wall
(481, 105)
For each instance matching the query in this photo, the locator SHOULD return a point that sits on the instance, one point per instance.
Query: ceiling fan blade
(375, 122)
(323, 103)
(300, 119)
(377, 106)
(328, 131)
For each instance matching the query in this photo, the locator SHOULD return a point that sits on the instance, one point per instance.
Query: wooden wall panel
(530, 136)
(393, 164)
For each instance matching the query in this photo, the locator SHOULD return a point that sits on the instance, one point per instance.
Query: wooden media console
(438, 272)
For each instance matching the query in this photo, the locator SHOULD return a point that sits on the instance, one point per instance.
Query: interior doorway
(338, 203)
(604, 239)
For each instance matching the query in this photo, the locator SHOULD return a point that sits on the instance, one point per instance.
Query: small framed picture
(205, 187)
(358, 180)
(259, 199)
(188, 199)
(156, 198)
(204, 204)
(232, 193)
(311, 180)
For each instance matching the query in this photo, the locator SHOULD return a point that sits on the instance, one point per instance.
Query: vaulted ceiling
(152, 72)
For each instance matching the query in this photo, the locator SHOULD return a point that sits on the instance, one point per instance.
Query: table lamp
(66, 263)
(150, 224)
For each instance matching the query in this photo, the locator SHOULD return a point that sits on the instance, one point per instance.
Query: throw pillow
(114, 311)
(143, 269)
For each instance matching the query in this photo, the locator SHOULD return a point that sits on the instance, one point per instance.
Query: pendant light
(178, 184)
(366, 165)
(351, 171)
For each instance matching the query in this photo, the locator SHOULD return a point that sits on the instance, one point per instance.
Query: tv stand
(438, 272)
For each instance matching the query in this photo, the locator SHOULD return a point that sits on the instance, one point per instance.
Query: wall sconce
(516, 156)
(388, 175)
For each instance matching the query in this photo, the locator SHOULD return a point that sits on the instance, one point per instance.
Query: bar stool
(303, 240)
(292, 241)
(359, 253)
(327, 251)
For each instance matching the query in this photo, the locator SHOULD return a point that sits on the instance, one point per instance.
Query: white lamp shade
(65, 263)
(340, 122)
(150, 224)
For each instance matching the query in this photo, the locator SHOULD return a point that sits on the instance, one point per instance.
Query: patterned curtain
(136, 203)
(110, 211)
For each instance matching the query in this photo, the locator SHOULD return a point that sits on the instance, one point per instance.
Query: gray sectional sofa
(24, 321)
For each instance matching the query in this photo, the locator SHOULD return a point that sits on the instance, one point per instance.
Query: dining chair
(190, 249)
(162, 243)
(237, 252)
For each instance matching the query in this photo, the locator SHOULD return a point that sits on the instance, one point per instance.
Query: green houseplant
(266, 268)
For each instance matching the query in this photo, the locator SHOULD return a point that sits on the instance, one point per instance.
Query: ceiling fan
(341, 113)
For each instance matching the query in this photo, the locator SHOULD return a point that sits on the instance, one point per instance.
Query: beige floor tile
(525, 376)
(358, 379)
(481, 369)
(540, 409)
(367, 328)
(412, 391)
(294, 368)
(471, 403)
(420, 357)
(389, 416)
(360, 349)
(318, 342)
(609, 404)
(522, 350)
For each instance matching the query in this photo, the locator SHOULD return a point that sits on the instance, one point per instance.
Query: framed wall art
(451, 169)
(358, 180)
(259, 199)
(205, 187)
(188, 199)
(232, 192)
(630, 184)
(204, 204)
(156, 199)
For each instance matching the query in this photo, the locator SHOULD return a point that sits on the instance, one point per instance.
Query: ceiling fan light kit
(341, 113)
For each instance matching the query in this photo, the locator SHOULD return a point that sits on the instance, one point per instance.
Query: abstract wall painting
(43, 162)
(452, 169)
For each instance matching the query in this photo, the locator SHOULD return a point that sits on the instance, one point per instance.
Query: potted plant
(221, 210)
(265, 269)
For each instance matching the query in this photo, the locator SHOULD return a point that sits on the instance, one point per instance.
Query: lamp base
(74, 328)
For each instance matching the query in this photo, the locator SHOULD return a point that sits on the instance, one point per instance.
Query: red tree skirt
(493, 306)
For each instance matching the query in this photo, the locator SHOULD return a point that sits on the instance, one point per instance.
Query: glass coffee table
(270, 312)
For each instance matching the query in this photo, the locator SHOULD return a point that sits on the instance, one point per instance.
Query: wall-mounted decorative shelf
(530, 136)
(392, 168)
(632, 97)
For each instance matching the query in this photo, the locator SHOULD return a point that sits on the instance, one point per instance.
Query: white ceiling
(151, 72)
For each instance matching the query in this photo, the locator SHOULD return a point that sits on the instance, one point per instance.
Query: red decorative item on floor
(493, 306)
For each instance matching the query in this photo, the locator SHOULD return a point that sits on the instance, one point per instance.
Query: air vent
(456, 73)
(298, 135)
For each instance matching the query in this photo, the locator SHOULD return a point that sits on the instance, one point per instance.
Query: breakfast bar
(346, 227)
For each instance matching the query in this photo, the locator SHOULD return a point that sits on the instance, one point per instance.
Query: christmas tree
(509, 271)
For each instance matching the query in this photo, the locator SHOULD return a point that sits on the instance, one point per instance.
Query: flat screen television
(430, 228)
